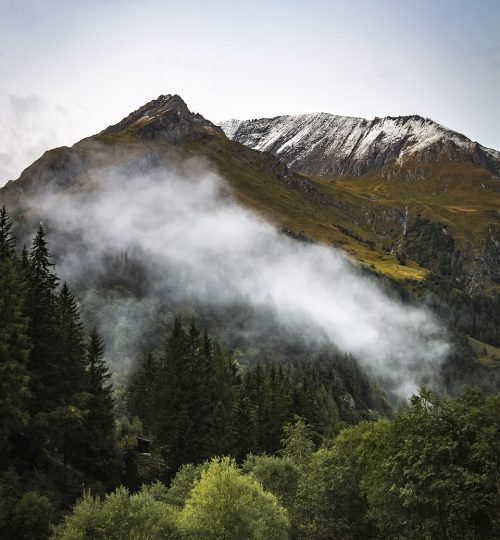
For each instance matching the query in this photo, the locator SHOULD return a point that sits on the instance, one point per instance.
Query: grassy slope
(462, 196)
(317, 214)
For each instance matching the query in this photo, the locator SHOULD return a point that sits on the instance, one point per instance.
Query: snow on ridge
(346, 141)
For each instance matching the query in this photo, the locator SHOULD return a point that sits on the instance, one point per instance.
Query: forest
(193, 443)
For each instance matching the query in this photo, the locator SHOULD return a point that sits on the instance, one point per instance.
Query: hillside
(164, 131)
(408, 221)
(387, 172)
(368, 216)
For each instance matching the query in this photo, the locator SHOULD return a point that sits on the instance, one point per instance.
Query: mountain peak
(166, 117)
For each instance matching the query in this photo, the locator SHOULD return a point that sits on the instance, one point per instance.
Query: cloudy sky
(68, 68)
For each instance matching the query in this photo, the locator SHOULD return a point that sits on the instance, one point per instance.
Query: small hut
(143, 446)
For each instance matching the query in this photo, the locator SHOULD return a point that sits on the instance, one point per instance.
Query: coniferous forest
(196, 445)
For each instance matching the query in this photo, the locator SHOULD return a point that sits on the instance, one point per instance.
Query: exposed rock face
(323, 144)
(165, 118)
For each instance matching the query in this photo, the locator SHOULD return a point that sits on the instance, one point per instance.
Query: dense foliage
(196, 402)
(310, 450)
(53, 435)
(477, 315)
(431, 245)
(430, 473)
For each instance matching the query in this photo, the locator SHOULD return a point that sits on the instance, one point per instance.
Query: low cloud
(186, 220)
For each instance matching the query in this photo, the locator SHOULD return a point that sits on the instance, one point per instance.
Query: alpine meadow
(279, 327)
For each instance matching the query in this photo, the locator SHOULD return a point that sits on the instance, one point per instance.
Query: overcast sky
(69, 68)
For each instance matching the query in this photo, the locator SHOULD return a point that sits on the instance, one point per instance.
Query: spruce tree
(188, 408)
(172, 418)
(141, 397)
(255, 387)
(7, 240)
(71, 347)
(44, 327)
(25, 261)
(243, 432)
(196, 394)
(100, 454)
(274, 418)
(221, 382)
(14, 352)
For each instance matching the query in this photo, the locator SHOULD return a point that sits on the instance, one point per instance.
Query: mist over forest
(193, 247)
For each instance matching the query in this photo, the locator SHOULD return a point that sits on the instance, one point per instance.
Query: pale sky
(69, 68)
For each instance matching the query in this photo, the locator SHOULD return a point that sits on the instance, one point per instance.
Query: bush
(32, 517)
(121, 515)
(228, 504)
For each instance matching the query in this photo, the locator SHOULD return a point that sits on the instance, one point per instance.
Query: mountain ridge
(323, 144)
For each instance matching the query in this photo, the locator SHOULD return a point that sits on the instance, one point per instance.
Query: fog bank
(186, 220)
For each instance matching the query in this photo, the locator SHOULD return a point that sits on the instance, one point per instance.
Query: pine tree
(243, 429)
(44, 327)
(73, 378)
(191, 400)
(14, 352)
(221, 381)
(98, 372)
(275, 417)
(196, 396)
(255, 387)
(171, 420)
(14, 343)
(99, 457)
(25, 261)
(141, 398)
(7, 241)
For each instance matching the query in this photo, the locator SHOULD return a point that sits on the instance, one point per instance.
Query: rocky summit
(166, 117)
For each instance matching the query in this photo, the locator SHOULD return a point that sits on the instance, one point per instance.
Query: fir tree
(188, 406)
(100, 455)
(255, 389)
(73, 378)
(14, 352)
(44, 327)
(243, 436)
(7, 241)
(171, 419)
(141, 398)
(25, 261)
(98, 372)
(221, 382)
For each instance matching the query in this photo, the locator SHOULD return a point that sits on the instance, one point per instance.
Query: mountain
(431, 207)
(161, 132)
(165, 119)
(396, 179)
(328, 145)
(138, 258)
(416, 222)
